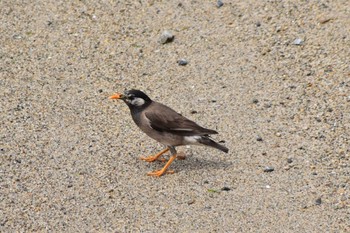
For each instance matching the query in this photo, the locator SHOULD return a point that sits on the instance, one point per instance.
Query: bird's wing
(164, 119)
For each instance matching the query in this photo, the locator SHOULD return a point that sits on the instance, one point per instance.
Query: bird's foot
(151, 159)
(160, 173)
(164, 169)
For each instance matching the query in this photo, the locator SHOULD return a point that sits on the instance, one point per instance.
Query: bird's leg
(164, 169)
(153, 158)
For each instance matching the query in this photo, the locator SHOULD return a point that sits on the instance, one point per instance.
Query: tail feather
(208, 142)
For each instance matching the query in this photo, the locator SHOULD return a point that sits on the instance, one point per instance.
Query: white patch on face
(191, 139)
(137, 101)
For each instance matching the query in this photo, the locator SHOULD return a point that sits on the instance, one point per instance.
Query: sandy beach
(272, 77)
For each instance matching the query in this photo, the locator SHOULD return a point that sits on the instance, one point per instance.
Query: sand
(272, 77)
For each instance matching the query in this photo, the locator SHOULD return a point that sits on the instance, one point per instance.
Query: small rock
(219, 4)
(325, 20)
(190, 202)
(267, 105)
(225, 189)
(194, 112)
(298, 41)
(258, 24)
(17, 37)
(269, 169)
(318, 201)
(182, 62)
(289, 160)
(255, 101)
(181, 156)
(259, 139)
(166, 37)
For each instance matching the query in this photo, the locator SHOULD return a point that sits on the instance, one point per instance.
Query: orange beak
(116, 96)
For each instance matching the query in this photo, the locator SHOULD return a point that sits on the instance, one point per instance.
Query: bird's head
(133, 98)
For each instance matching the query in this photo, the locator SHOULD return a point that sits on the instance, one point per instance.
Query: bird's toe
(159, 173)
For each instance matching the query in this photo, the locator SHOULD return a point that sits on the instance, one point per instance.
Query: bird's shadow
(194, 162)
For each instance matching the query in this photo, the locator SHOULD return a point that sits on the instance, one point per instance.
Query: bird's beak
(116, 96)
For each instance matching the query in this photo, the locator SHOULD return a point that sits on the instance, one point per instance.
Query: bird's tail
(208, 142)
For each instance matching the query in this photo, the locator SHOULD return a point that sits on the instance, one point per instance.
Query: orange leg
(164, 169)
(154, 157)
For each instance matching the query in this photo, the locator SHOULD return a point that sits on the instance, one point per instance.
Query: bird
(166, 126)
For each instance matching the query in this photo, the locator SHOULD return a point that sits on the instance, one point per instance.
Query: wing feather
(165, 119)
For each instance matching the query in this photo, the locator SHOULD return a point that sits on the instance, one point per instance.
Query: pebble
(267, 105)
(225, 189)
(298, 41)
(190, 202)
(181, 155)
(255, 101)
(259, 139)
(166, 37)
(17, 37)
(182, 62)
(325, 20)
(289, 160)
(269, 169)
(219, 4)
(318, 201)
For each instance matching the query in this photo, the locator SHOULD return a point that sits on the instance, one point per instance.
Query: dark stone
(225, 189)
(219, 4)
(182, 62)
(318, 201)
(269, 169)
(255, 101)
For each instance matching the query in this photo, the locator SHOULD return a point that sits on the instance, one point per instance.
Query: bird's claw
(160, 173)
(151, 159)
